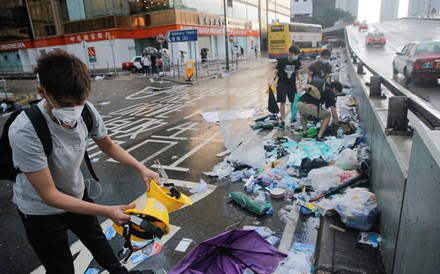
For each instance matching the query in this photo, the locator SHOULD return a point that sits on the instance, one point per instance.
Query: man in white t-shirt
(49, 192)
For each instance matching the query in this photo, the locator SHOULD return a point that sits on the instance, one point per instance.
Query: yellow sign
(189, 69)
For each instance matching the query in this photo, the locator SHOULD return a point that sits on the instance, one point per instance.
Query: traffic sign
(92, 54)
(111, 39)
(160, 38)
(188, 35)
(231, 38)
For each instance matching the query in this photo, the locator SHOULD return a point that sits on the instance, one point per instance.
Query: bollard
(360, 68)
(178, 68)
(375, 89)
(207, 68)
(397, 121)
(354, 59)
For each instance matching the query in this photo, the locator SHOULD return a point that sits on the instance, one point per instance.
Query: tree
(330, 17)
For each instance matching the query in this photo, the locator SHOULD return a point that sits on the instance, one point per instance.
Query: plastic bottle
(339, 133)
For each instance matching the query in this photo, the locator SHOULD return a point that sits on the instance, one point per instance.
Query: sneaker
(322, 139)
(281, 125)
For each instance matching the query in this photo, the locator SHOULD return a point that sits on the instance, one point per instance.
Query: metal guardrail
(429, 115)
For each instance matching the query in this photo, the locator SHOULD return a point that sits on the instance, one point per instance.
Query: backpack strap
(40, 125)
(88, 119)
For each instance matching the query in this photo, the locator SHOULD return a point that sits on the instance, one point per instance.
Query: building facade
(300, 9)
(94, 30)
(389, 10)
(351, 6)
(422, 8)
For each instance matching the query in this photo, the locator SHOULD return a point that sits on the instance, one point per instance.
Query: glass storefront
(95, 8)
(14, 24)
(43, 18)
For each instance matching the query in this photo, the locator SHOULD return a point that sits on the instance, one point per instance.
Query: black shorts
(283, 90)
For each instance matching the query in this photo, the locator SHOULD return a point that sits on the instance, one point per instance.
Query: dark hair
(325, 52)
(63, 75)
(294, 49)
(336, 85)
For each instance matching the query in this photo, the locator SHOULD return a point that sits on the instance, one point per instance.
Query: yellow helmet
(149, 220)
(170, 198)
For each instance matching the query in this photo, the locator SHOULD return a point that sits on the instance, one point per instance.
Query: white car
(134, 65)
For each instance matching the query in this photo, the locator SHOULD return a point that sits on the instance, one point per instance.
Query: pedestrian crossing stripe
(84, 257)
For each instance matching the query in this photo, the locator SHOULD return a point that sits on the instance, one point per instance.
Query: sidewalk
(214, 69)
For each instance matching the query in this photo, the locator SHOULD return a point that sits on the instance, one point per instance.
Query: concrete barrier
(406, 181)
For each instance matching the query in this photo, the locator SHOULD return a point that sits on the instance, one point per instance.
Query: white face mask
(325, 61)
(67, 115)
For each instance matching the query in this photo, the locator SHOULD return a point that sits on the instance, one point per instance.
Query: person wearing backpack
(49, 191)
(287, 71)
(316, 94)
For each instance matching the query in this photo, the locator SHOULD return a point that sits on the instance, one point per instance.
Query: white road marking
(84, 258)
(173, 166)
(195, 113)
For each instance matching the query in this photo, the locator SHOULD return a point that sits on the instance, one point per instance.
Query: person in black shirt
(153, 64)
(287, 71)
(320, 68)
(309, 105)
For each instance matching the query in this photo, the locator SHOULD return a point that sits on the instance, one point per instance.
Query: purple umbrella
(231, 252)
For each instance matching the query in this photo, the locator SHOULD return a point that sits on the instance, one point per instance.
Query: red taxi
(418, 60)
(375, 38)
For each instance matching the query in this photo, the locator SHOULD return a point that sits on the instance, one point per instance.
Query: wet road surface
(153, 123)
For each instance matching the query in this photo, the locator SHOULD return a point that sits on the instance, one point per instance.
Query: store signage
(90, 37)
(13, 46)
(91, 52)
(211, 21)
(189, 35)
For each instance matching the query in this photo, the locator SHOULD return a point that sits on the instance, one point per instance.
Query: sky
(370, 10)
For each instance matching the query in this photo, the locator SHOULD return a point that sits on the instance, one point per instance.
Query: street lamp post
(226, 36)
(429, 8)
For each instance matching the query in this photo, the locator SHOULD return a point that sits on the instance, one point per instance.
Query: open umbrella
(150, 50)
(231, 253)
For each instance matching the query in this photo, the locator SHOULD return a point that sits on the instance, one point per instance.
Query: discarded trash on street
(231, 252)
(370, 238)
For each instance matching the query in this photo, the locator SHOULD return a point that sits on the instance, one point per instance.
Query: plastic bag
(295, 107)
(274, 90)
(357, 208)
(347, 159)
(325, 177)
(364, 158)
(296, 262)
(244, 144)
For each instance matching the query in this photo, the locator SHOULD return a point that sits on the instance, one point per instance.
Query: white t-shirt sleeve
(99, 131)
(27, 149)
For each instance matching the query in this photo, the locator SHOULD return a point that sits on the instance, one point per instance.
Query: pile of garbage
(320, 178)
